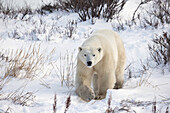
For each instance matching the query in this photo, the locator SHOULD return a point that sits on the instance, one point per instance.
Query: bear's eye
(85, 55)
(94, 55)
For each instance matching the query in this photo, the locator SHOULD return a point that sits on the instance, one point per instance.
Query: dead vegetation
(91, 9)
(24, 63)
(127, 106)
(155, 109)
(65, 69)
(55, 104)
(23, 99)
(154, 16)
(160, 50)
(71, 29)
(122, 108)
(67, 104)
(19, 96)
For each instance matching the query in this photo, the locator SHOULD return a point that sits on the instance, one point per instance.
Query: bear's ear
(80, 48)
(99, 49)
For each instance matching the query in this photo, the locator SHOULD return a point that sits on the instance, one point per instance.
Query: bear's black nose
(89, 63)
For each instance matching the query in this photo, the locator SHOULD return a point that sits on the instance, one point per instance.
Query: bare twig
(68, 103)
(141, 3)
(55, 104)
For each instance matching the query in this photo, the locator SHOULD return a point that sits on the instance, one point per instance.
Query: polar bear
(101, 61)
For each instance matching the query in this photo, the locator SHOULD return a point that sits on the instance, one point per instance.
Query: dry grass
(144, 80)
(24, 63)
(24, 99)
(122, 108)
(65, 69)
(68, 103)
(109, 109)
(155, 104)
(144, 73)
(55, 104)
(20, 97)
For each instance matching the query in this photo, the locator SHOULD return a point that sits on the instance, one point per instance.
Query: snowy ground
(50, 32)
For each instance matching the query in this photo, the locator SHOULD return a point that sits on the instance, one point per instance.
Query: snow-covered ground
(51, 32)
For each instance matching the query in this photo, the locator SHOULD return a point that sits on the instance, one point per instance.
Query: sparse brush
(140, 4)
(167, 110)
(145, 75)
(154, 107)
(145, 103)
(65, 69)
(55, 104)
(71, 28)
(144, 80)
(20, 97)
(91, 9)
(123, 108)
(50, 7)
(24, 63)
(9, 12)
(8, 110)
(68, 103)
(127, 103)
(157, 15)
(160, 50)
(129, 71)
(24, 99)
(109, 109)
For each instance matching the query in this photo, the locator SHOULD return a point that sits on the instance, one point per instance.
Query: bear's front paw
(87, 94)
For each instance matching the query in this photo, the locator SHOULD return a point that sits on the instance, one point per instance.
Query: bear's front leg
(83, 83)
(106, 81)
(85, 92)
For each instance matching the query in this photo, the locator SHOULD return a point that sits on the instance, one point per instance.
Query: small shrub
(71, 28)
(157, 15)
(8, 12)
(89, 9)
(160, 50)
(50, 7)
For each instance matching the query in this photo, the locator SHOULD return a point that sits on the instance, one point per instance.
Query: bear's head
(90, 56)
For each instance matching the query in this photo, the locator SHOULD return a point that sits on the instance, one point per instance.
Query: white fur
(106, 52)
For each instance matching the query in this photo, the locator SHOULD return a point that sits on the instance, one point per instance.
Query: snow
(156, 86)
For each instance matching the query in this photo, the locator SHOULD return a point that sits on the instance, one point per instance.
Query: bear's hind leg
(119, 77)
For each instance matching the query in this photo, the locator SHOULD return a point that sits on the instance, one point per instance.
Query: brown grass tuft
(109, 109)
(55, 104)
(65, 69)
(68, 103)
(24, 63)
